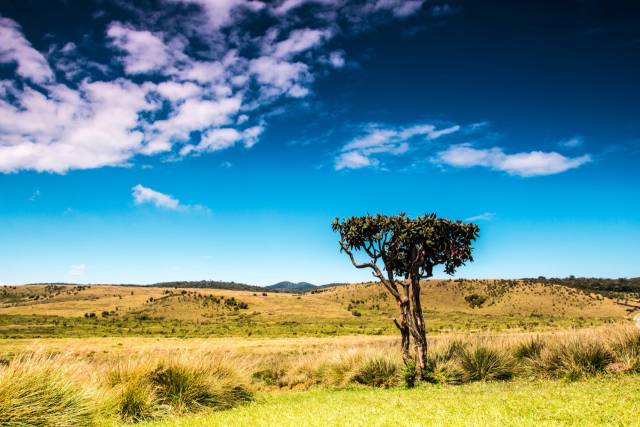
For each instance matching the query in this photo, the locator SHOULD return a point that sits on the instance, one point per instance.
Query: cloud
(573, 142)
(14, 47)
(77, 270)
(145, 195)
(379, 140)
(525, 164)
(145, 51)
(486, 216)
(180, 81)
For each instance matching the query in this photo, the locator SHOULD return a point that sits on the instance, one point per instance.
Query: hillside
(208, 284)
(62, 310)
(292, 287)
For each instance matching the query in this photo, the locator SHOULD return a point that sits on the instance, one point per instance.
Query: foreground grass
(602, 401)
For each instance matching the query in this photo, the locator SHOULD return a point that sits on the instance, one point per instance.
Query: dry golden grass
(516, 298)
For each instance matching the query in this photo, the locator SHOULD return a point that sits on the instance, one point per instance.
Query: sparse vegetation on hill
(68, 311)
(209, 284)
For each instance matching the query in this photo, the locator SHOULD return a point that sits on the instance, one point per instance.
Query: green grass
(245, 324)
(601, 401)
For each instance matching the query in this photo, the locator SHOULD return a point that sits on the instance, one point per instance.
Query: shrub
(574, 360)
(377, 372)
(409, 374)
(485, 364)
(447, 372)
(33, 393)
(475, 300)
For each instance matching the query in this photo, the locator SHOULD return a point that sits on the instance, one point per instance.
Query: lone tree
(400, 252)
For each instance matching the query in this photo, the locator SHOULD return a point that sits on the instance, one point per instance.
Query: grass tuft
(152, 389)
(36, 393)
(482, 363)
(377, 372)
(574, 360)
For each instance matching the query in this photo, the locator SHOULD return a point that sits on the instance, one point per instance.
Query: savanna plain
(500, 352)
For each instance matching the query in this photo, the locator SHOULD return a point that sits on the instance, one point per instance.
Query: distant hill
(291, 287)
(594, 284)
(209, 284)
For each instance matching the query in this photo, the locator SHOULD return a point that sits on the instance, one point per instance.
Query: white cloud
(175, 91)
(184, 76)
(336, 59)
(361, 151)
(14, 47)
(145, 51)
(574, 142)
(77, 270)
(525, 164)
(354, 160)
(485, 216)
(144, 195)
(300, 41)
(88, 128)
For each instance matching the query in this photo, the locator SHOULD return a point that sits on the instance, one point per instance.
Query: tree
(401, 251)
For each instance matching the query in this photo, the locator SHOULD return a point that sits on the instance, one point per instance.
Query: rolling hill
(460, 305)
(291, 287)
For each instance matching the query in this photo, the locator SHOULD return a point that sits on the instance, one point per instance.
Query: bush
(35, 394)
(475, 300)
(574, 360)
(485, 364)
(377, 372)
(409, 374)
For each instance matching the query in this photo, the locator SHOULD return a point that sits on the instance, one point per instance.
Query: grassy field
(580, 376)
(80, 311)
(602, 401)
(500, 353)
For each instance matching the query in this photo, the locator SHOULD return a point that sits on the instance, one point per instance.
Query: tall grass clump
(35, 392)
(574, 360)
(152, 389)
(530, 349)
(482, 363)
(626, 348)
(377, 372)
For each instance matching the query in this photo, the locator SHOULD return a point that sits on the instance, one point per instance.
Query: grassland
(78, 311)
(500, 353)
(602, 401)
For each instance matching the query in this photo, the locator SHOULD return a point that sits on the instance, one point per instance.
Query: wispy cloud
(145, 195)
(363, 151)
(524, 164)
(34, 196)
(573, 142)
(485, 216)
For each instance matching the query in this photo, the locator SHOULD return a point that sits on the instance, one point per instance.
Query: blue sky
(200, 139)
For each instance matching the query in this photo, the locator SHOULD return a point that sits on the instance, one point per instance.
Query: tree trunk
(420, 333)
(403, 327)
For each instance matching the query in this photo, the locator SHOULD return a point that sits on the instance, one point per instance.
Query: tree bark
(420, 333)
